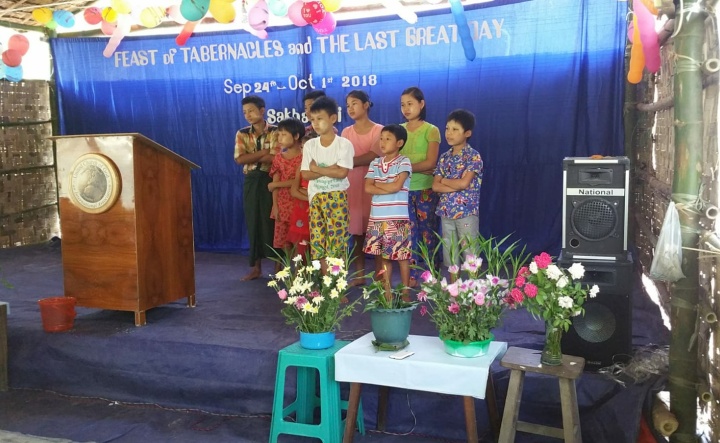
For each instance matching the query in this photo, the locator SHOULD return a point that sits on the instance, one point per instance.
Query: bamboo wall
(28, 190)
(652, 155)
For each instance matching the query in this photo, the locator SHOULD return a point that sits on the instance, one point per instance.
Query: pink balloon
(648, 36)
(11, 58)
(295, 14)
(258, 16)
(108, 28)
(631, 29)
(326, 25)
(174, 13)
(93, 16)
(19, 43)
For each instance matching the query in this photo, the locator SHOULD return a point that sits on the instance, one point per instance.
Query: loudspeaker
(603, 336)
(595, 208)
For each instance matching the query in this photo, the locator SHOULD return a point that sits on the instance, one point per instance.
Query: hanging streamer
(637, 58)
(458, 13)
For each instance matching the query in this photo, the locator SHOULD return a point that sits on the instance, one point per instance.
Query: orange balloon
(637, 57)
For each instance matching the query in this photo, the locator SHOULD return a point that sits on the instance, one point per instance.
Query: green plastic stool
(331, 426)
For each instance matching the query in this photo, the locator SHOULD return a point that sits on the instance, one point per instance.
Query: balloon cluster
(645, 50)
(10, 68)
(52, 19)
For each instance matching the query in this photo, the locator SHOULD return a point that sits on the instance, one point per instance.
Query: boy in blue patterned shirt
(458, 177)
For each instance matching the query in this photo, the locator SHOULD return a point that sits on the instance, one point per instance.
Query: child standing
(326, 162)
(457, 180)
(422, 148)
(364, 134)
(388, 231)
(255, 148)
(284, 167)
(299, 231)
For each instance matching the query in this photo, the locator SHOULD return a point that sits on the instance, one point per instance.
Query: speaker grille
(598, 324)
(594, 219)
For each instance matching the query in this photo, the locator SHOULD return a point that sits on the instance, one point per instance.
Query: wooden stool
(520, 361)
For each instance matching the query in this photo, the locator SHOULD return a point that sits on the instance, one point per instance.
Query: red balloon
(93, 16)
(313, 12)
(11, 58)
(19, 43)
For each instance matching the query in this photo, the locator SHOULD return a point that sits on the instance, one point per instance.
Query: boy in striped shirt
(388, 231)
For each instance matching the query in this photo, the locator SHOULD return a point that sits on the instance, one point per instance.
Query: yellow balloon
(121, 6)
(152, 16)
(331, 5)
(222, 11)
(109, 15)
(42, 15)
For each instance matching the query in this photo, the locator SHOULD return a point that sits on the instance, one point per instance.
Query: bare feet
(412, 283)
(252, 275)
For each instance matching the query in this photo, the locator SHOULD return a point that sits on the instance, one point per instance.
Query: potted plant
(467, 306)
(390, 313)
(314, 302)
(554, 295)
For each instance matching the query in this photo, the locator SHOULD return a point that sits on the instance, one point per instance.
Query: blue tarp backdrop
(547, 83)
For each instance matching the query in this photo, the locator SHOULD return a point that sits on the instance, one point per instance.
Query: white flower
(342, 284)
(319, 299)
(565, 302)
(334, 293)
(366, 294)
(553, 272)
(332, 261)
(577, 271)
(327, 280)
(308, 307)
(273, 284)
(576, 313)
(297, 258)
(316, 264)
(533, 267)
(291, 300)
(562, 282)
(594, 291)
(283, 274)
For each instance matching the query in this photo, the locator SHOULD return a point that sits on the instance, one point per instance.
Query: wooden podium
(126, 222)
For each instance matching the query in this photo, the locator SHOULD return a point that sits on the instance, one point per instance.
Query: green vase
(552, 351)
(467, 350)
(391, 326)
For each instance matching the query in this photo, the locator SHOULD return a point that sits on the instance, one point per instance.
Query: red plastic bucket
(58, 313)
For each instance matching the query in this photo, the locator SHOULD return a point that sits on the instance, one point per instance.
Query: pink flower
(423, 310)
(479, 299)
(453, 289)
(314, 294)
(454, 308)
(300, 302)
(422, 296)
(519, 280)
(530, 290)
(453, 269)
(517, 295)
(335, 269)
(543, 260)
(524, 272)
(282, 294)
(427, 277)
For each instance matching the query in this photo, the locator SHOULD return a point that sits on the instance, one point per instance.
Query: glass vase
(552, 352)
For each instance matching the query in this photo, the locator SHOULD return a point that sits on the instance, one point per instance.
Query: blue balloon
(463, 29)
(2, 70)
(278, 8)
(14, 74)
(64, 18)
(194, 10)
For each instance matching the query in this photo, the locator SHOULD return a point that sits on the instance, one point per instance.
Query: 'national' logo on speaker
(596, 192)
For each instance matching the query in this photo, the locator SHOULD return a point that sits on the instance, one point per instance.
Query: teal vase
(468, 350)
(317, 340)
(391, 326)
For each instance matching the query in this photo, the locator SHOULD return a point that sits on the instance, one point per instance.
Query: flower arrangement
(313, 302)
(468, 306)
(382, 296)
(552, 293)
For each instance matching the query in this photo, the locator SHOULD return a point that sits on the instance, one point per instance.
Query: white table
(359, 363)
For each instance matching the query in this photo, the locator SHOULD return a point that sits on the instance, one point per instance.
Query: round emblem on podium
(94, 183)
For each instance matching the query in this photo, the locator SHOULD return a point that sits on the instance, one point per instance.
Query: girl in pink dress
(299, 232)
(283, 170)
(364, 134)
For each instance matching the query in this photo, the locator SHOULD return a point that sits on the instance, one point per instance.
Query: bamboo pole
(688, 92)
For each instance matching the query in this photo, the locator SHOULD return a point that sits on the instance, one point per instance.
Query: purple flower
(427, 277)
(300, 302)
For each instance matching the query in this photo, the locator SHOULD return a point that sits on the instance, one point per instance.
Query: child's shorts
(389, 239)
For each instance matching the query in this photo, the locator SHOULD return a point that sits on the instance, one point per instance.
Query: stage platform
(220, 356)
